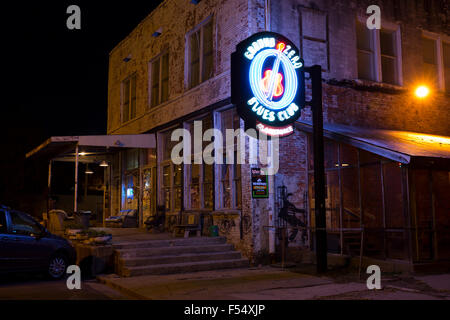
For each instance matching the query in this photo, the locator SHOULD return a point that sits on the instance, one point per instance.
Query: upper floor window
(129, 98)
(446, 53)
(159, 80)
(436, 60)
(378, 54)
(200, 54)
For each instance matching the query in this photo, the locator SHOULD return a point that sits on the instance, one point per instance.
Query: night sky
(55, 81)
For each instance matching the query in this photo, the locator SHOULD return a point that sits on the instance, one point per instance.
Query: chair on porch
(126, 219)
(157, 221)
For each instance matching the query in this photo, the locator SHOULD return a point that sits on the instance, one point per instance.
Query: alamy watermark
(222, 149)
(374, 281)
(74, 280)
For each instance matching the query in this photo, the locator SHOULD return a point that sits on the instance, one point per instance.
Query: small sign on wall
(260, 187)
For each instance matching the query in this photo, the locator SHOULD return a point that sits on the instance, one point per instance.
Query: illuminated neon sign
(267, 82)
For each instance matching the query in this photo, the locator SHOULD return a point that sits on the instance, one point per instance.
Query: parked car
(26, 246)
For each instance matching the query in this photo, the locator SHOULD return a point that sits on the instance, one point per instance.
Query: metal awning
(57, 146)
(88, 149)
(402, 146)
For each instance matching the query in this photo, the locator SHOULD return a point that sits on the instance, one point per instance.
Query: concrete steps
(170, 242)
(184, 267)
(176, 256)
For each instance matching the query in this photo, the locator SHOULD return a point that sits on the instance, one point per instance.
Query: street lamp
(422, 91)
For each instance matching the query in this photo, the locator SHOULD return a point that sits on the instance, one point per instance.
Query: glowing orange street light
(422, 92)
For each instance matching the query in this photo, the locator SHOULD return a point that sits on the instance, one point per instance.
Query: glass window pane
(167, 144)
(126, 101)
(207, 52)
(446, 53)
(350, 198)
(424, 216)
(366, 63)
(429, 51)
(155, 82)
(387, 43)
(133, 108)
(332, 201)
(372, 201)
(227, 120)
(195, 196)
(166, 176)
(132, 158)
(178, 175)
(226, 188)
(348, 155)
(330, 154)
(441, 192)
(393, 195)
(194, 71)
(133, 98)
(364, 37)
(389, 70)
(23, 224)
(165, 78)
(208, 195)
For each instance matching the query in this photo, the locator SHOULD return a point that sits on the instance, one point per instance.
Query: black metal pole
(315, 73)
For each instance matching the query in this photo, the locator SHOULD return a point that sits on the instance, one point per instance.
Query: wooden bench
(190, 221)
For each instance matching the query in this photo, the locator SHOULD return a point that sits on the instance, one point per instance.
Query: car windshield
(24, 224)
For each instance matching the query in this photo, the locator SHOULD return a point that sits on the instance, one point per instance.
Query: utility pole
(315, 73)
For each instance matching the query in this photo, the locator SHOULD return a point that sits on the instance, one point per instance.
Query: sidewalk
(267, 283)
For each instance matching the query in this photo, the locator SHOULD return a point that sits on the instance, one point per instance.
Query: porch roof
(64, 146)
(402, 146)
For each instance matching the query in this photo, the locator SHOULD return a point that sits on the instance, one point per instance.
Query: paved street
(38, 288)
(264, 283)
(268, 283)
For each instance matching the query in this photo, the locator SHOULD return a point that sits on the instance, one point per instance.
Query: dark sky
(55, 79)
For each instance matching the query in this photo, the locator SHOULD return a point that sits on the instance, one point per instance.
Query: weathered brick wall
(346, 101)
(363, 103)
(232, 23)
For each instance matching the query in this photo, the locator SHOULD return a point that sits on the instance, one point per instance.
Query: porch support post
(75, 206)
(315, 73)
(49, 185)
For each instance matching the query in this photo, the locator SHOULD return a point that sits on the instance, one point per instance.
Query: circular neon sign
(267, 80)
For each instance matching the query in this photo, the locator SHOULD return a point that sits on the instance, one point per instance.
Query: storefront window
(201, 175)
(230, 171)
(166, 187)
(195, 186)
(178, 185)
(132, 159)
(149, 194)
(365, 192)
(226, 189)
(208, 186)
(441, 192)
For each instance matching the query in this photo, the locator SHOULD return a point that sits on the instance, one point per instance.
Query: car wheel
(57, 266)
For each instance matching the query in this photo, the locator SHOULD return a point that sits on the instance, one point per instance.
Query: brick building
(387, 152)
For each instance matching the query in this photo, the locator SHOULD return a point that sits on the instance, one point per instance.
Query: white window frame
(395, 28)
(150, 80)
(438, 39)
(187, 71)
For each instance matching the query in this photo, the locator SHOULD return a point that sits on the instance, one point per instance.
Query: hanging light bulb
(88, 171)
(103, 164)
